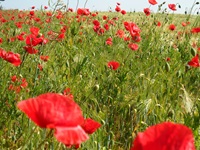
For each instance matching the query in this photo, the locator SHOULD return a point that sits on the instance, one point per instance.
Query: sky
(101, 5)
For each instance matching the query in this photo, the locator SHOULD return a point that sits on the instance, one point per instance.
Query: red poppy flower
(165, 136)
(194, 62)
(90, 126)
(61, 36)
(172, 7)
(117, 9)
(168, 59)
(19, 24)
(123, 12)
(152, 2)
(83, 11)
(34, 30)
(96, 23)
(70, 9)
(44, 58)
(13, 58)
(132, 28)
(136, 38)
(147, 11)
(30, 50)
(195, 30)
(40, 67)
(120, 33)
(61, 113)
(101, 31)
(32, 13)
(106, 26)
(158, 23)
(127, 38)
(109, 41)
(133, 46)
(104, 17)
(113, 64)
(51, 110)
(14, 78)
(67, 92)
(24, 83)
(172, 27)
(33, 40)
(184, 24)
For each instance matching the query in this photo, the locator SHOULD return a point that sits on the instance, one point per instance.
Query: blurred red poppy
(30, 50)
(147, 11)
(172, 7)
(152, 2)
(158, 23)
(172, 27)
(83, 11)
(165, 136)
(44, 58)
(33, 40)
(184, 24)
(120, 33)
(113, 64)
(117, 9)
(109, 41)
(195, 30)
(34, 30)
(67, 92)
(24, 83)
(14, 78)
(133, 46)
(123, 12)
(106, 26)
(13, 58)
(32, 13)
(194, 62)
(132, 28)
(168, 59)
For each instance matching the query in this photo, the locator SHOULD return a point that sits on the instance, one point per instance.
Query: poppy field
(115, 80)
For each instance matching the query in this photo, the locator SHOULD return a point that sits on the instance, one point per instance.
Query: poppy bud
(193, 52)
(167, 67)
(96, 87)
(170, 113)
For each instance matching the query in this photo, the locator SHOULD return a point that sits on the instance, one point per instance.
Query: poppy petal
(50, 110)
(71, 135)
(194, 62)
(165, 136)
(90, 126)
(152, 2)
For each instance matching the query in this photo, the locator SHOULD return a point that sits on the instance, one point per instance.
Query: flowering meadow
(116, 80)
